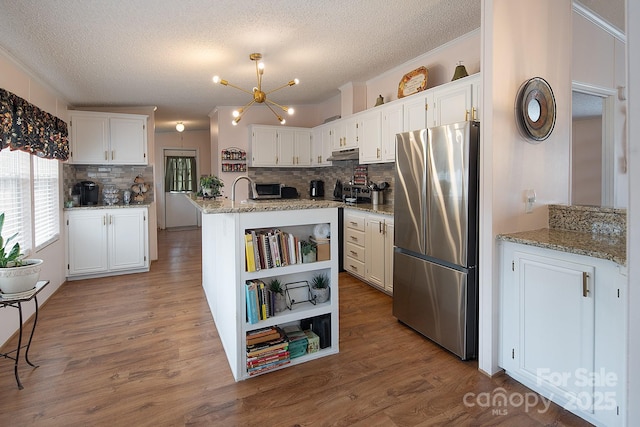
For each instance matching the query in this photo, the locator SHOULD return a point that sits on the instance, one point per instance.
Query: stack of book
(260, 301)
(297, 341)
(267, 349)
(271, 248)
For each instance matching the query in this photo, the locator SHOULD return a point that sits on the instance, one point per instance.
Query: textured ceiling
(165, 52)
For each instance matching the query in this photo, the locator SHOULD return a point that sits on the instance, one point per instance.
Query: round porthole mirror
(535, 109)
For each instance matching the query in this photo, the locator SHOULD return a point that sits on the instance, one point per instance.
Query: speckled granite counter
(583, 230)
(227, 206)
(116, 206)
(368, 207)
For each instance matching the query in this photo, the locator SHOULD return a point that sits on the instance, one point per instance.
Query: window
(180, 174)
(29, 197)
(46, 201)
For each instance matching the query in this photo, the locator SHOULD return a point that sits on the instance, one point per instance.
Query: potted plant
(16, 274)
(278, 294)
(308, 249)
(210, 185)
(320, 287)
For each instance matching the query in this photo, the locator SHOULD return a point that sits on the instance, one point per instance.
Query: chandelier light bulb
(235, 113)
(216, 79)
(296, 81)
(180, 127)
(290, 111)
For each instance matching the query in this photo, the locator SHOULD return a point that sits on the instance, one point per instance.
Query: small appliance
(289, 192)
(337, 191)
(266, 191)
(316, 188)
(356, 193)
(88, 191)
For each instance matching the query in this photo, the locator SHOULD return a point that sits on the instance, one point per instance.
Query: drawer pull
(354, 267)
(353, 223)
(354, 253)
(354, 238)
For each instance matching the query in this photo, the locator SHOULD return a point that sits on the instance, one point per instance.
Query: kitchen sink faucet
(235, 181)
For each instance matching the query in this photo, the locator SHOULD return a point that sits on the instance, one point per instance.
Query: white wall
(515, 50)
(15, 78)
(586, 158)
(598, 60)
(440, 63)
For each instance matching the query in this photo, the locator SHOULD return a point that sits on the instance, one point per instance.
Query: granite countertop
(604, 246)
(116, 206)
(227, 206)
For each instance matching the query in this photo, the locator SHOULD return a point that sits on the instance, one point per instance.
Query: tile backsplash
(343, 170)
(120, 176)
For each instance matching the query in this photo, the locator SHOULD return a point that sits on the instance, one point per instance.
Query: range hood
(350, 154)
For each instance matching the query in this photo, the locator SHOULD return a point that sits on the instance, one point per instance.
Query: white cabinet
(103, 242)
(278, 146)
(345, 134)
(225, 277)
(321, 145)
(108, 138)
(455, 102)
(415, 111)
(379, 252)
(562, 329)
(354, 242)
(392, 124)
(368, 247)
(369, 136)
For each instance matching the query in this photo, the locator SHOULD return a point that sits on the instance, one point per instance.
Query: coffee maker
(88, 191)
(316, 188)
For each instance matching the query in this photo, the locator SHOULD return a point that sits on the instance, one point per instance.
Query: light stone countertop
(604, 246)
(227, 206)
(116, 206)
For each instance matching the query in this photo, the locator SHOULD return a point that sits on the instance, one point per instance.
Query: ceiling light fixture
(179, 127)
(258, 95)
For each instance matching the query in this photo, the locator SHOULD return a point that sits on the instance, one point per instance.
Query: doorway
(180, 179)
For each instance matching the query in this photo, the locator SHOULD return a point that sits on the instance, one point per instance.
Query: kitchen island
(227, 278)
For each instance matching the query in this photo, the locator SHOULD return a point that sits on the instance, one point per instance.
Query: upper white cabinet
(321, 145)
(345, 134)
(392, 124)
(415, 111)
(455, 102)
(369, 136)
(278, 146)
(562, 329)
(108, 138)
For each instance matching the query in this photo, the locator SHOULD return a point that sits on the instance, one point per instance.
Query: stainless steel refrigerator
(435, 273)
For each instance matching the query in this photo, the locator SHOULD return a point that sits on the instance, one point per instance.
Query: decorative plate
(535, 109)
(413, 82)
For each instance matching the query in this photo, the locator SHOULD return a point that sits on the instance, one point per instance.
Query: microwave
(265, 191)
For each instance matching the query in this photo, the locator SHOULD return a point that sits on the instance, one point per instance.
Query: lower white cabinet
(368, 247)
(379, 252)
(103, 242)
(562, 329)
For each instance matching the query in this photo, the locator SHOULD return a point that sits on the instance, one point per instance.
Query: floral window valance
(27, 128)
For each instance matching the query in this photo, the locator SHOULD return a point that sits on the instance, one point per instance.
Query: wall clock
(535, 109)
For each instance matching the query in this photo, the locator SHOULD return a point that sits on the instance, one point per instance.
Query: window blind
(15, 197)
(46, 198)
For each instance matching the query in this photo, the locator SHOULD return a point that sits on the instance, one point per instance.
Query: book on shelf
(254, 362)
(268, 367)
(251, 292)
(249, 253)
(256, 250)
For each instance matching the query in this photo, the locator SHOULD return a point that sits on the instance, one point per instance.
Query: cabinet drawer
(354, 251)
(354, 266)
(354, 222)
(354, 236)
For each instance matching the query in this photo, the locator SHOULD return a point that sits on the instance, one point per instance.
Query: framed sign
(413, 82)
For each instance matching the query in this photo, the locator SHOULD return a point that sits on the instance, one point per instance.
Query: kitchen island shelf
(224, 266)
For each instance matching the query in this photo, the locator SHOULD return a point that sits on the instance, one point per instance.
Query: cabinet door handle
(380, 227)
(106, 155)
(466, 115)
(377, 153)
(474, 113)
(104, 220)
(113, 154)
(110, 219)
(585, 284)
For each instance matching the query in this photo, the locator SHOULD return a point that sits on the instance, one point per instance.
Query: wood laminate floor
(142, 350)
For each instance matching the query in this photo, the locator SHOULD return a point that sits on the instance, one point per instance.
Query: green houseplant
(320, 287)
(278, 294)
(16, 274)
(210, 185)
(308, 249)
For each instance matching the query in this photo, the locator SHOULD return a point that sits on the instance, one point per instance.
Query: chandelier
(258, 95)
